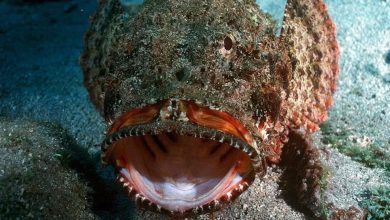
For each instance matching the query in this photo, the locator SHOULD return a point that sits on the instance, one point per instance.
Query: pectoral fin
(309, 38)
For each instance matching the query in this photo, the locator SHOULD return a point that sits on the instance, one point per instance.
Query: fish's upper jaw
(181, 158)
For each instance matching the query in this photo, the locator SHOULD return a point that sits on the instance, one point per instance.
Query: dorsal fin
(308, 36)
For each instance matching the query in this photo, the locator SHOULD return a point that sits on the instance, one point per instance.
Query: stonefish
(200, 95)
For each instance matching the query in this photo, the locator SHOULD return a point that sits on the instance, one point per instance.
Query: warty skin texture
(224, 55)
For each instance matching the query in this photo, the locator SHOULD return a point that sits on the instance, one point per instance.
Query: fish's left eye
(227, 47)
(228, 43)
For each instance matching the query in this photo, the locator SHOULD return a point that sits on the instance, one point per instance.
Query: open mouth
(180, 158)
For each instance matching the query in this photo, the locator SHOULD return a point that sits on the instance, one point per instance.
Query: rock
(35, 181)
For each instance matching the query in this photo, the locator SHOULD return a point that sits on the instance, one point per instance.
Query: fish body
(200, 95)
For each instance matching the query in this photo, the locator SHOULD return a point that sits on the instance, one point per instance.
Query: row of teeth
(216, 136)
(214, 205)
(138, 198)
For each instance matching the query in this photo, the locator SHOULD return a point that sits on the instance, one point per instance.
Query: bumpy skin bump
(223, 54)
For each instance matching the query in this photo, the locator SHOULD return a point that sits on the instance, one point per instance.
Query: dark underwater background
(49, 161)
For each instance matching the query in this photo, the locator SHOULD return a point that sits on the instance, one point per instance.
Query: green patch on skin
(378, 204)
(371, 156)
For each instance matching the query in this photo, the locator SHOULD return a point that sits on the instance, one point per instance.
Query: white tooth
(121, 180)
(254, 144)
(216, 202)
(130, 189)
(159, 208)
(129, 132)
(222, 139)
(229, 195)
(213, 136)
(126, 184)
(137, 196)
(241, 187)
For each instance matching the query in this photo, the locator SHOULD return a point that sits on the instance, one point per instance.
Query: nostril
(181, 74)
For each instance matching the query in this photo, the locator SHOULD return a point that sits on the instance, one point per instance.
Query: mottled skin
(223, 54)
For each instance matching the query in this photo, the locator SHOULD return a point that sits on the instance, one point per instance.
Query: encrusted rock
(35, 182)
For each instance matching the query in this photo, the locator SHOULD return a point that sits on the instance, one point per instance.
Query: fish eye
(228, 43)
(227, 46)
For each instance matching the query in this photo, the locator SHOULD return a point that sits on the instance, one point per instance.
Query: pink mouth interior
(178, 172)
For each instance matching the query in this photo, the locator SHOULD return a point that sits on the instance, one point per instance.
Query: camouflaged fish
(200, 94)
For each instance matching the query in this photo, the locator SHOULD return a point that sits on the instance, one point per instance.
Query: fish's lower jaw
(182, 167)
(179, 206)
